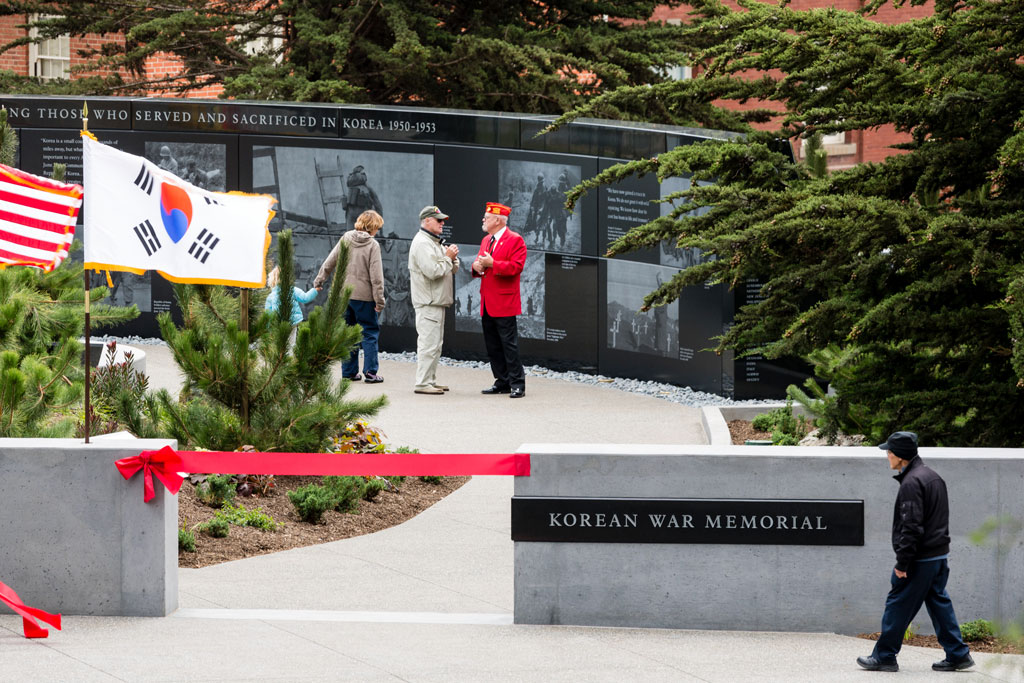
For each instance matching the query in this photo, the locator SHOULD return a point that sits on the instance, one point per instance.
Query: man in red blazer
(498, 264)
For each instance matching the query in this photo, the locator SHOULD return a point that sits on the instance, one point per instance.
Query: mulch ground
(386, 510)
(992, 645)
(741, 430)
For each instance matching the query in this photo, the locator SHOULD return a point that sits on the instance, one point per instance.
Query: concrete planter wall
(760, 587)
(77, 538)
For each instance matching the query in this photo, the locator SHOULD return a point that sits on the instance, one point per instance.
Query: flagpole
(85, 275)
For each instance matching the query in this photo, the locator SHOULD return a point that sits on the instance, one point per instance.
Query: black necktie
(490, 245)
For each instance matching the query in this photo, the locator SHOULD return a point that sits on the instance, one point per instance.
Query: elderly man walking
(920, 537)
(431, 267)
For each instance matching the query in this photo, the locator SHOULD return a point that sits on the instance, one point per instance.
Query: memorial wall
(326, 164)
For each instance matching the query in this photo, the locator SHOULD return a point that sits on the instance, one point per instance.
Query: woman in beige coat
(365, 274)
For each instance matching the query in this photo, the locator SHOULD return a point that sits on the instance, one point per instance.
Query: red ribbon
(163, 464)
(168, 463)
(30, 616)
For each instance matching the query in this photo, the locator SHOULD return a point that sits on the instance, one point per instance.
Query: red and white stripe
(37, 219)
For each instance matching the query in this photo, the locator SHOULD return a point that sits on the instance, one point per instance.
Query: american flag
(37, 219)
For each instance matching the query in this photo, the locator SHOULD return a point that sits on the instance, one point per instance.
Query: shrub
(186, 541)
(979, 629)
(345, 492)
(311, 502)
(431, 479)
(240, 516)
(786, 429)
(216, 490)
(218, 527)
(109, 381)
(374, 486)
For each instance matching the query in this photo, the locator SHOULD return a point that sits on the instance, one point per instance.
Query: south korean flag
(139, 217)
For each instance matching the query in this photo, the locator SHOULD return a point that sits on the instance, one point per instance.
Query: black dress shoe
(496, 390)
(872, 664)
(517, 392)
(946, 665)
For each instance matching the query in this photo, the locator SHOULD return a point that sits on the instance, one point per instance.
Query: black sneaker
(946, 665)
(872, 664)
(372, 378)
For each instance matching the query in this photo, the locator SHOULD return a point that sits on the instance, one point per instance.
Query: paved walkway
(431, 600)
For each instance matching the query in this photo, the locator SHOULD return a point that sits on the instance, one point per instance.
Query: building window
(50, 58)
(834, 139)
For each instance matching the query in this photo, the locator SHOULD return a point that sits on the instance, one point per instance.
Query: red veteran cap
(496, 208)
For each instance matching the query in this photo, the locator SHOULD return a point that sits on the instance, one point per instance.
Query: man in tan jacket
(431, 268)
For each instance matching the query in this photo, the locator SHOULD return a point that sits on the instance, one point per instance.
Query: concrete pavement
(431, 599)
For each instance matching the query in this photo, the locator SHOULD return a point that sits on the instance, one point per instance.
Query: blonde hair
(369, 221)
(273, 276)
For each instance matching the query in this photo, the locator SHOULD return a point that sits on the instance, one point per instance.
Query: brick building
(58, 57)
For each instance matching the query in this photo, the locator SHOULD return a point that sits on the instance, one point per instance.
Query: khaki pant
(429, 337)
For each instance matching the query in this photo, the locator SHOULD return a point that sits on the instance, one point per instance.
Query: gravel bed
(668, 392)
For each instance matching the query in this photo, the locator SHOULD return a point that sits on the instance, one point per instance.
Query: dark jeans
(362, 313)
(925, 584)
(501, 337)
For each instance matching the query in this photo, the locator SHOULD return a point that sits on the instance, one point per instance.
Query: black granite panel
(66, 112)
(417, 125)
(555, 141)
(234, 117)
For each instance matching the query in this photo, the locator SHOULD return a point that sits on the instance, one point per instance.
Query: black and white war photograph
(128, 289)
(670, 254)
(394, 256)
(467, 295)
(535, 191)
(202, 164)
(654, 332)
(321, 192)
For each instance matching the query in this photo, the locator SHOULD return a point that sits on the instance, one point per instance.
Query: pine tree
(244, 387)
(518, 55)
(909, 271)
(42, 315)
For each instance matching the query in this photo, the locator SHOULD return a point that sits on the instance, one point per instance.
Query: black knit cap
(902, 444)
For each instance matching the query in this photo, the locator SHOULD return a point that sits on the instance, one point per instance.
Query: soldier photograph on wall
(536, 192)
(200, 163)
(654, 332)
(320, 193)
(323, 190)
(128, 289)
(394, 256)
(670, 254)
(531, 322)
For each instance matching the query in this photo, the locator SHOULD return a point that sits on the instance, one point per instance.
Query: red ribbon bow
(30, 616)
(163, 464)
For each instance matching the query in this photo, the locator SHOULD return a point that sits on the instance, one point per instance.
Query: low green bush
(979, 629)
(372, 487)
(311, 502)
(431, 479)
(216, 490)
(786, 429)
(186, 541)
(239, 515)
(218, 527)
(345, 492)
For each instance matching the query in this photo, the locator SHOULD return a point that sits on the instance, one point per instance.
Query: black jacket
(920, 520)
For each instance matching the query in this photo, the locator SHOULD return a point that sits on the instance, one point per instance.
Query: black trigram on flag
(147, 235)
(145, 180)
(203, 245)
(212, 201)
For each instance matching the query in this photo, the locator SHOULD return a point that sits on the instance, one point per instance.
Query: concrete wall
(76, 538)
(761, 587)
